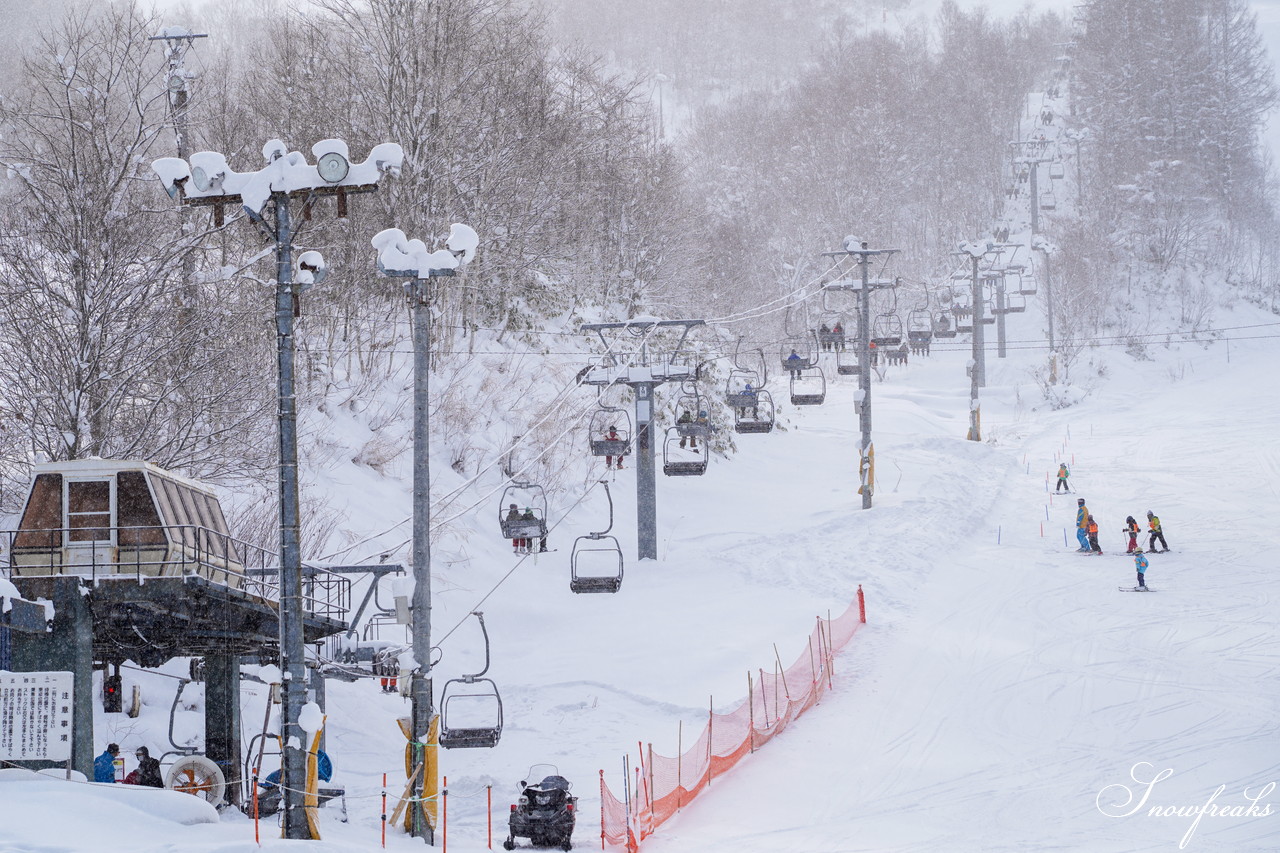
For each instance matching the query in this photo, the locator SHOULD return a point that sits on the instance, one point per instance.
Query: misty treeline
(130, 329)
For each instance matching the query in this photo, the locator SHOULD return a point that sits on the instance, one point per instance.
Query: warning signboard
(35, 716)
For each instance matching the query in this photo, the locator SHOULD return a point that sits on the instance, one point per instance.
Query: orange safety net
(663, 785)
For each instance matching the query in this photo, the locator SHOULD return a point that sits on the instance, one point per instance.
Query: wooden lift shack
(140, 565)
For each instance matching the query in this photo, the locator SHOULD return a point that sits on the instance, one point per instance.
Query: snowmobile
(545, 812)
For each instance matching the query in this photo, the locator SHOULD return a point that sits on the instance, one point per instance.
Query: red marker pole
(384, 809)
(489, 809)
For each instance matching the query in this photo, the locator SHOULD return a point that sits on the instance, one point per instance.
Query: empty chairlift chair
(683, 456)
(886, 330)
(595, 566)
(808, 388)
(461, 725)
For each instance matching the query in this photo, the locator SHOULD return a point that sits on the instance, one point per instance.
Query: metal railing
(167, 551)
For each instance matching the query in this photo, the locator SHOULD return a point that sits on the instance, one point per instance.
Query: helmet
(513, 506)
(1080, 501)
(1150, 513)
(702, 413)
(612, 428)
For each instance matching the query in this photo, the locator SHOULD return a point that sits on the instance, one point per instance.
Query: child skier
(1156, 533)
(1131, 528)
(1140, 563)
(1063, 474)
(1093, 536)
(1082, 525)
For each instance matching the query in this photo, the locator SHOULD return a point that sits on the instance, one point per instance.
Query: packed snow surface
(1004, 695)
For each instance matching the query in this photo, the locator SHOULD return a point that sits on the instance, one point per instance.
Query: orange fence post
(862, 606)
(256, 839)
(602, 808)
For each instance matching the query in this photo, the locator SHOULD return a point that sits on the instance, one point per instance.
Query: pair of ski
(1136, 589)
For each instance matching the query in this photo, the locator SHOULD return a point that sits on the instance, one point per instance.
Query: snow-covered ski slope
(1001, 694)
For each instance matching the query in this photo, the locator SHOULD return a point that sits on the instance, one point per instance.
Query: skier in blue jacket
(104, 766)
(1082, 525)
(1140, 563)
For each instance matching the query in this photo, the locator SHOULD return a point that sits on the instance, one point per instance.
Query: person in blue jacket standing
(1082, 525)
(104, 766)
(1140, 563)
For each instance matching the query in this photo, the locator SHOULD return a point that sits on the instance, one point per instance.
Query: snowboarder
(528, 543)
(1093, 536)
(1131, 528)
(1063, 474)
(611, 434)
(1082, 525)
(104, 766)
(1140, 563)
(1156, 533)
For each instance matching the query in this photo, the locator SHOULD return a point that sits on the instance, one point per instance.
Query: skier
(1140, 563)
(794, 364)
(686, 418)
(528, 543)
(1131, 528)
(1082, 525)
(513, 514)
(611, 434)
(1093, 536)
(824, 337)
(837, 336)
(1063, 474)
(749, 393)
(1156, 533)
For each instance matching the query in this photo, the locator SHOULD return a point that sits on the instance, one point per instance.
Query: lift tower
(643, 373)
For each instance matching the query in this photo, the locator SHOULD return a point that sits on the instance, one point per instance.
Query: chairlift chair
(1057, 170)
(755, 415)
(534, 502)
(471, 688)
(604, 421)
(919, 326)
(679, 462)
(1027, 284)
(735, 386)
(1015, 302)
(886, 331)
(805, 348)
(1048, 201)
(847, 363)
(809, 388)
(944, 325)
(602, 554)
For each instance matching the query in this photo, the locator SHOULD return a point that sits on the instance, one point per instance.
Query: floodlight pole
(292, 644)
(400, 257)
